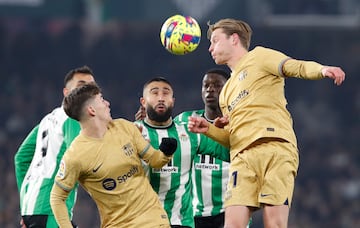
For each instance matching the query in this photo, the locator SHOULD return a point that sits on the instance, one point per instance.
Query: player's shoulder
(122, 124)
(263, 51)
(57, 112)
(121, 121)
(54, 119)
(260, 49)
(183, 116)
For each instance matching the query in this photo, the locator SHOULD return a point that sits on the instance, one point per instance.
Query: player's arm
(24, 156)
(212, 148)
(301, 69)
(312, 70)
(65, 180)
(155, 158)
(58, 205)
(277, 63)
(201, 125)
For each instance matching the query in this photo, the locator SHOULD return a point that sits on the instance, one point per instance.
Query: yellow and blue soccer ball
(180, 34)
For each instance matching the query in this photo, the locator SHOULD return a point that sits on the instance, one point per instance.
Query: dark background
(40, 40)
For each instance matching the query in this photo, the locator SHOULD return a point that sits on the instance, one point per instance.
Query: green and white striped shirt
(210, 177)
(173, 182)
(37, 161)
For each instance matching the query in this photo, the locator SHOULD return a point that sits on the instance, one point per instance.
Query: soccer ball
(180, 34)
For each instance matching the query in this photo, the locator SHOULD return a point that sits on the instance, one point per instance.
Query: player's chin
(218, 61)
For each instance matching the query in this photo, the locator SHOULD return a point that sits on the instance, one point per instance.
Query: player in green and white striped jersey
(39, 155)
(173, 182)
(210, 175)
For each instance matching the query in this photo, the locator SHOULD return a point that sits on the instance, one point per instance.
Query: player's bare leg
(276, 216)
(237, 216)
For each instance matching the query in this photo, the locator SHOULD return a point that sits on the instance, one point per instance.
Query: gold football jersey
(254, 99)
(110, 170)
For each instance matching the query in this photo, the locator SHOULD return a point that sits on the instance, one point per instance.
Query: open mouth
(160, 107)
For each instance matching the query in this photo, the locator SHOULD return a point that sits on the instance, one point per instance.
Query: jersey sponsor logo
(109, 184)
(166, 169)
(242, 75)
(128, 149)
(62, 169)
(240, 96)
(205, 166)
(123, 178)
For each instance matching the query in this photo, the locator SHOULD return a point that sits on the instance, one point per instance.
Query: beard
(159, 117)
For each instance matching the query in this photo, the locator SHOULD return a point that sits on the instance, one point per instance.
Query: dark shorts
(216, 221)
(41, 221)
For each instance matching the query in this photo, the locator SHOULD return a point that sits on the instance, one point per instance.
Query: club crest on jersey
(61, 171)
(183, 137)
(242, 75)
(128, 149)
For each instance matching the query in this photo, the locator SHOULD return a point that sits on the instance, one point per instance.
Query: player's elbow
(57, 196)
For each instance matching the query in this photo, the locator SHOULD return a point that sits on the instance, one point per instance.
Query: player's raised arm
(201, 125)
(198, 124)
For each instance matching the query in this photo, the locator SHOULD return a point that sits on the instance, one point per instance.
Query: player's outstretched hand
(168, 146)
(335, 73)
(198, 124)
(221, 122)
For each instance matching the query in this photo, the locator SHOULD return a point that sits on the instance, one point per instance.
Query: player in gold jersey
(259, 131)
(105, 160)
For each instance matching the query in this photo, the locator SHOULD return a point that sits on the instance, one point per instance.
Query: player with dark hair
(173, 182)
(210, 175)
(38, 158)
(105, 158)
(259, 133)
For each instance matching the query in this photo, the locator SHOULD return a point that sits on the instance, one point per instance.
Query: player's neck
(94, 130)
(157, 124)
(210, 115)
(238, 54)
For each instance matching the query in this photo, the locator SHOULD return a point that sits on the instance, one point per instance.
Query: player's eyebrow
(154, 88)
(157, 88)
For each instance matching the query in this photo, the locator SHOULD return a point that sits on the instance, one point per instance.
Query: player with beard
(173, 182)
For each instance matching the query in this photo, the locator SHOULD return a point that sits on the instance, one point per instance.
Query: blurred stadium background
(40, 40)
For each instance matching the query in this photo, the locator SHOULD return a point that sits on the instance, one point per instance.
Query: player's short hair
(219, 71)
(74, 102)
(231, 26)
(157, 79)
(82, 70)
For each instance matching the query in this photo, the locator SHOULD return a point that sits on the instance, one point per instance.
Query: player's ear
(235, 38)
(90, 110)
(142, 101)
(65, 91)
